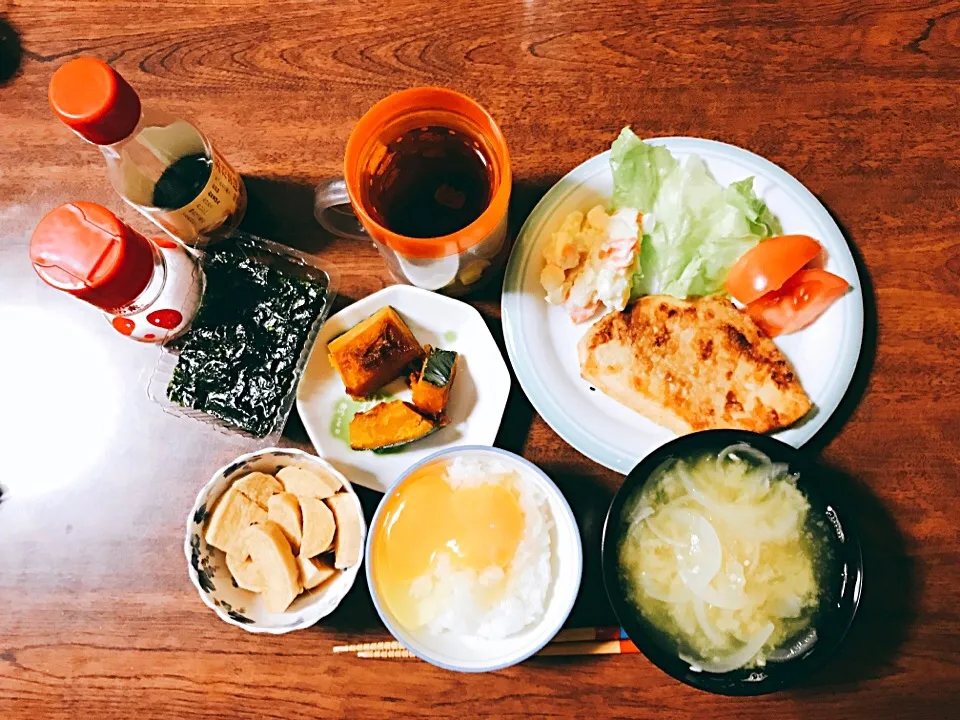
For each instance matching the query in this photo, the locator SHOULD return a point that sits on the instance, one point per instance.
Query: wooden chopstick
(605, 647)
(555, 649)
(564, 636)
(368, 647)
(589, 634)
(383, 654)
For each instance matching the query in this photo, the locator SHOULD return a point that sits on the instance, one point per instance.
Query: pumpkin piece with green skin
(389, 425)
(431, 387)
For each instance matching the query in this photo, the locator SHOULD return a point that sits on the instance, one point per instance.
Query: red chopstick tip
(608, 633)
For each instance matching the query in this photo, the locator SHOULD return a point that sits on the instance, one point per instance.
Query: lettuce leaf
(699, 227)
(638, 171)
(762, 221)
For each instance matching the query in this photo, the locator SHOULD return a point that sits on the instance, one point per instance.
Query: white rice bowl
(542, 580)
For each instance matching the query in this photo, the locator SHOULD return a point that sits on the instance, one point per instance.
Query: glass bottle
(160, 164)
(150, 290)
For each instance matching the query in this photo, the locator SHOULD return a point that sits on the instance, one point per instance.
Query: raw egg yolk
(478, 527)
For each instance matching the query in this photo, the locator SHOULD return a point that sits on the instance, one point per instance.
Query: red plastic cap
(93, 99)
(84, 249)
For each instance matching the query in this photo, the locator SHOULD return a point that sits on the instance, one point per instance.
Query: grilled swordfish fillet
(692, 365)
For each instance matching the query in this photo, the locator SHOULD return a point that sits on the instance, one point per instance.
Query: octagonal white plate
(542, 341)
(476, 403)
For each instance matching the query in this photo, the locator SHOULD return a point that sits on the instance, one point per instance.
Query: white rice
(453, 600)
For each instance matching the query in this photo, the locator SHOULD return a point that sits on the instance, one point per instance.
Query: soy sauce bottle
(161, 165)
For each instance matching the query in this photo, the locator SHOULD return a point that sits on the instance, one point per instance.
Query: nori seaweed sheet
(238, 359)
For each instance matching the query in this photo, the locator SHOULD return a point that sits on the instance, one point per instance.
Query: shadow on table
(281, 209)
(868, 353)
(518, 415)
(888, 600)
(356, 613)
(524, 197)
(11, 51)
(589, 499)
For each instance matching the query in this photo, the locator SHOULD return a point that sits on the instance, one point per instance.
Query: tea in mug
(432, 181)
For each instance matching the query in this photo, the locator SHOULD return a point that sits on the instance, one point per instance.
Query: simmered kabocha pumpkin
(389, 425)
(373, 352)
(431, 386)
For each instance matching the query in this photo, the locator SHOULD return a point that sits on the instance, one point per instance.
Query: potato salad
(590, 261)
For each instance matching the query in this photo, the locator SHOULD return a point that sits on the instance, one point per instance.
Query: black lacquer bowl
(832, 619)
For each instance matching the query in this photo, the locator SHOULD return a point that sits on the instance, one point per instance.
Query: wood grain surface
(856, 99)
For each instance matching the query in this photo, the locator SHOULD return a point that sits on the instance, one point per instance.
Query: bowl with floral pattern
(207, 565)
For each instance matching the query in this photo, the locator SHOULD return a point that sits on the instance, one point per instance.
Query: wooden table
(858, 100)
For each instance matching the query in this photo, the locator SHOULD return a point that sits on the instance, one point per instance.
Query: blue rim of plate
(391, 626)
(545, 403)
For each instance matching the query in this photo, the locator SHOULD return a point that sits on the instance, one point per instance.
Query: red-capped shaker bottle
(162, 165)
(149, 289)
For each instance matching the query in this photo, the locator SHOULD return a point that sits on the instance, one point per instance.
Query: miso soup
(724, 557)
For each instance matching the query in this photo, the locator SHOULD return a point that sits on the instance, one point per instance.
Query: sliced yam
(231, 515)
(271, 554)
(311, 482)
(314, 571)
(259, 487)
(284, 509)
(348, 544)
(319, 527)
(245, 573)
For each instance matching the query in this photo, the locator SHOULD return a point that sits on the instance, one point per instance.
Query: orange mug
(427, 177)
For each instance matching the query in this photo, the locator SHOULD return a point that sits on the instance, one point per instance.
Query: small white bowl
(207, 565)
(474, 654)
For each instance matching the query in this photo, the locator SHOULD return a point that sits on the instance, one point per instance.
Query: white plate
(477, 400)
(542, 341)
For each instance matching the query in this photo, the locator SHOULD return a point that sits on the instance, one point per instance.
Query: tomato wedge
(802, 299)
(767, 266)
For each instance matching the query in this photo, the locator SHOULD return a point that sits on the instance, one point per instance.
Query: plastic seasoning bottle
(149, 289)
(162, 165)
